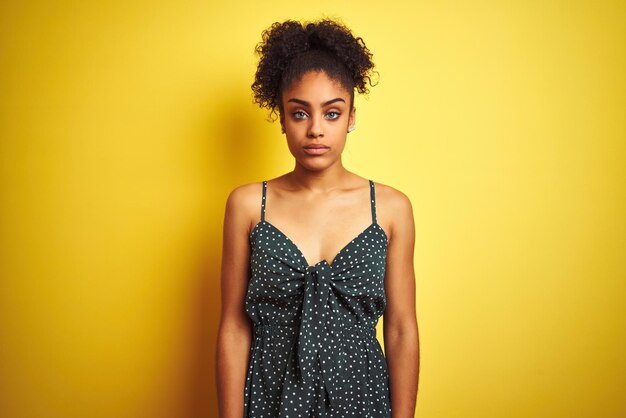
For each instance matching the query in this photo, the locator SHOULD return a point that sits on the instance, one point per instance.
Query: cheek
(291, 142)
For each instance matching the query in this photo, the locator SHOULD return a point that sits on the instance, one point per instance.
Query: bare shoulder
(245, 193)
(394, 209)
(244, 203)
(391, 197)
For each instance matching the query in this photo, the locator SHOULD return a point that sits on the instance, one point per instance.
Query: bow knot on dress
(314, 332)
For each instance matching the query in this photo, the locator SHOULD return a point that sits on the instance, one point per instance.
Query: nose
(315, 127)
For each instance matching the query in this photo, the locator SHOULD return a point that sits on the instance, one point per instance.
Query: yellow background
(125, 125)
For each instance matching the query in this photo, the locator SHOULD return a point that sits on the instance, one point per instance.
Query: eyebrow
(326, 103)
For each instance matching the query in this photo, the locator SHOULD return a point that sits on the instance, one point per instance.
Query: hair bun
(283, 58)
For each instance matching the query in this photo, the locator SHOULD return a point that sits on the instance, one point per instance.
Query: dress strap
(263, 200)
(373, 201)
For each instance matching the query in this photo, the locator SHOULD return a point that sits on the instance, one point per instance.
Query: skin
(299, 204)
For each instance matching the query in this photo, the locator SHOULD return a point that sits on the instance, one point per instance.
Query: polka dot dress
(314, 351)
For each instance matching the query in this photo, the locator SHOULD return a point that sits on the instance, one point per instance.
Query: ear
(282, 124)
(352, 118)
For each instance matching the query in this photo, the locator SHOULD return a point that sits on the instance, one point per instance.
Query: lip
(315, 149)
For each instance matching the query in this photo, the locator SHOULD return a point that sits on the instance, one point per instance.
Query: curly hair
(290, 49)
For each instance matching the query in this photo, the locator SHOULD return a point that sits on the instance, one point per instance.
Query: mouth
(316, 149)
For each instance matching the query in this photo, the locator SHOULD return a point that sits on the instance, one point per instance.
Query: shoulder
(393, 208)
(244, 203)
(245, 194)
(392, 198)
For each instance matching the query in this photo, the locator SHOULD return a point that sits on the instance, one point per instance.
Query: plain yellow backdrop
(124, 125)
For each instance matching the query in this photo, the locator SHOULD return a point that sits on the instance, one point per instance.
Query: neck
(325, 180)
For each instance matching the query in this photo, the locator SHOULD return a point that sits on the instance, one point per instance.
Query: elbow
(403, 330)
(406, 335)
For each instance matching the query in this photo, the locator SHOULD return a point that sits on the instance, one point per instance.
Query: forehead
(315, 87)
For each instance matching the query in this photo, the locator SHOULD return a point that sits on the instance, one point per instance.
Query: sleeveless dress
(314, 351)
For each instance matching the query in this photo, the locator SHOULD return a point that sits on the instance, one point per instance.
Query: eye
(333, 115)
(299, 114)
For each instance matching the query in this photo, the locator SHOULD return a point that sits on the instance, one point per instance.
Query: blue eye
(299, 114)
(333, 115)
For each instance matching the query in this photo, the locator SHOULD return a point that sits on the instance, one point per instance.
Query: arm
(234, 334)
(399, 320)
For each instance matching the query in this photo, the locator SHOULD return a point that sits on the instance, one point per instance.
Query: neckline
(323, 261)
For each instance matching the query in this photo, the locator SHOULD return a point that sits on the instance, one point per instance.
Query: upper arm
(235, 268)
(400, 315)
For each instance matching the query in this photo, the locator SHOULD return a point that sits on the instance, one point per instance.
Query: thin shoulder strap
(373, 201)
(263, 200)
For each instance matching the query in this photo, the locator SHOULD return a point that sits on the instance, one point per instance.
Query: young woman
(312, 258)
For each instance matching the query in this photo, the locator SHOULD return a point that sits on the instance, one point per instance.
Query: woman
(311, 259)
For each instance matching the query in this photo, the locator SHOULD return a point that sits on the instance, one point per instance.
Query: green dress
(314, 351)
